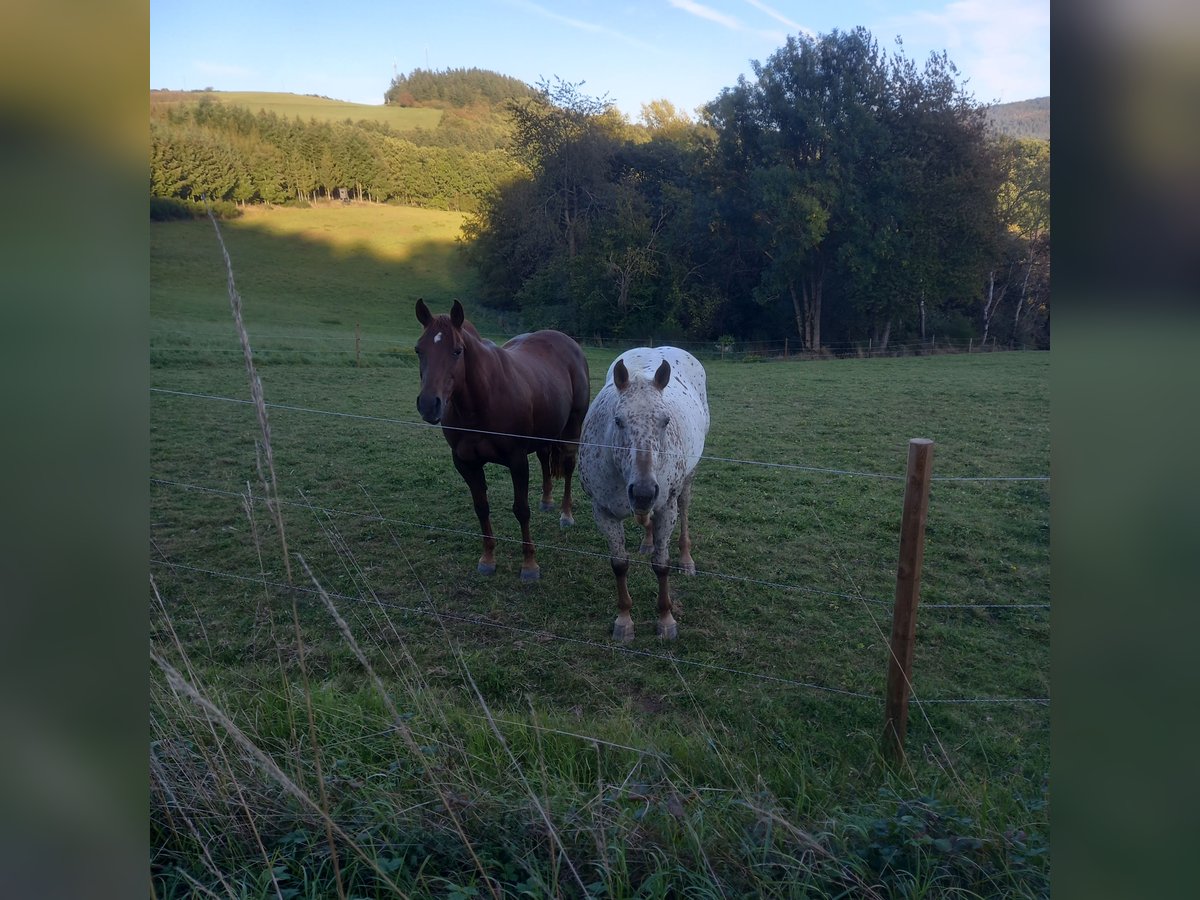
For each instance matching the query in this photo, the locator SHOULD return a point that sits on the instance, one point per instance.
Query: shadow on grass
(302, 281)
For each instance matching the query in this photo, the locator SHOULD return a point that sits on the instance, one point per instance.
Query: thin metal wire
(711, 347)
(532, 632)
(743, 579)
(542, 633)
(726, 459)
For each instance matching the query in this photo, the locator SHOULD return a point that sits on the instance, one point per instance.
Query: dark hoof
(623, 633)
(667, 632)
(531, 574)
(565, 521)
(547, 507)
(486, 569)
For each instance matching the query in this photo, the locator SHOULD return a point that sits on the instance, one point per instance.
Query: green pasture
(322, 109)
(327, 268)
(508, 747)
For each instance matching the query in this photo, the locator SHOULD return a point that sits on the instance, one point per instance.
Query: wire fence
(737, 350)
(542, 635)
(726, 459)
(425, 526)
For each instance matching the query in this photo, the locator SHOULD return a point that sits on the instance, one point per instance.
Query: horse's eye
(620, 422)
(457, 352)
(666, 421)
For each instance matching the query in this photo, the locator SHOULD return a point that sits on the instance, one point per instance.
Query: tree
(663, 117)
(940, 200)
(868, 181)
(1024, 207)
(791, 224)
(813, 115)
(561, 135)
(526, 236)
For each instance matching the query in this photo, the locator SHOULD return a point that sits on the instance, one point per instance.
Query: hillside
(1022, 119)
(304, 106)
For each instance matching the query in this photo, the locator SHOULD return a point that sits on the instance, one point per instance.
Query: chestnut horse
(498, 405)
(642, 438)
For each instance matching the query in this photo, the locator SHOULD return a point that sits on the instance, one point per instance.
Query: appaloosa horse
(642, 438)
(498, 405)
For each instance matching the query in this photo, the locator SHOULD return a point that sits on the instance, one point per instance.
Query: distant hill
(1023, 119)
(455, 88)
(307, 107)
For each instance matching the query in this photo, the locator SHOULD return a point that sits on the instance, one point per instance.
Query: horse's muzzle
(642, 494)
(430, 408)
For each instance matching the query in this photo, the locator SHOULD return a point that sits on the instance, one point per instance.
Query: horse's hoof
(689, 567)
(486, 568)
(547, 507)
(623, 632)
(531, 574)
(667, 632)
(565, 521)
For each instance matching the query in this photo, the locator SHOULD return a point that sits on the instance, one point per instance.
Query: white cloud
(707, 12)
(780, 17)
(581, 24)
(1003, 49)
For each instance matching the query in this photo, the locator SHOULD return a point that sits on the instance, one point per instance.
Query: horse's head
(440, 354)
(639, 433)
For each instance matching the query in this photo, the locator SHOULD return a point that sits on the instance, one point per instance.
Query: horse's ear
(424, 316)
(620, 375)
(457, 316)
(663, 375)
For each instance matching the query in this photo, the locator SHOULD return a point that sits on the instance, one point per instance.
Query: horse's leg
(665, 524)
(685, 539)
(566, 516)
(473, 475)
(647, 538)
(614, 530)
(518, 465)
(568, 455)
(543, 456)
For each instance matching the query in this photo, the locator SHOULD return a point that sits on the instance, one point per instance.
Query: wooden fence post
(357, 357)
(908, 591)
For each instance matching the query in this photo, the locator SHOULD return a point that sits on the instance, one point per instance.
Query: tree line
(843, 195)
(454, 88)
(1022, 119)
(231, 154)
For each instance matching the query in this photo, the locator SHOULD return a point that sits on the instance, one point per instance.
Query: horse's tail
(557, 453)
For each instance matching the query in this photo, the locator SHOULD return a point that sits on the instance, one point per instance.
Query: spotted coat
(640, 445)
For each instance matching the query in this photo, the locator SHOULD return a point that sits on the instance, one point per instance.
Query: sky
(684, 51)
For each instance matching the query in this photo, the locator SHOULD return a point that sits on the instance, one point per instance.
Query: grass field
(322, 109)
(505, 734)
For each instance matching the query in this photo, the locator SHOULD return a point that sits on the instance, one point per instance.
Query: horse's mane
(474, 332)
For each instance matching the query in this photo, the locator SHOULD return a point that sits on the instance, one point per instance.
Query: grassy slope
(722, 739)
(332, 265)
(320, 108)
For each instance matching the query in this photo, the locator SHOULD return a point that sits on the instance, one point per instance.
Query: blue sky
(684, 51)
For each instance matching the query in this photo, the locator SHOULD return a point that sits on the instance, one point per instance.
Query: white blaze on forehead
(437, 338)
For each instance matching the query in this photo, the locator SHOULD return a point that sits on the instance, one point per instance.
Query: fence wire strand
(726, 459)
(542, 634)
(742, 579)
(545, 635)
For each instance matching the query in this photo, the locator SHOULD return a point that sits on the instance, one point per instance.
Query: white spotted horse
(642, 438)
